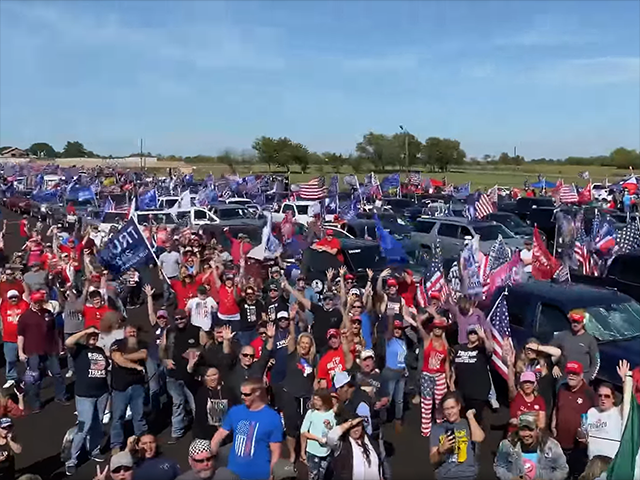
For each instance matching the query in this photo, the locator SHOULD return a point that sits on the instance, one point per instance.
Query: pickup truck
(299, 210)
(623, 274)
(523, 205)
(539, 309)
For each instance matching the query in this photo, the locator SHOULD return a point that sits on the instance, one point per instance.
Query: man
(201, 461)
(337, 359)
(10, 310)
(95, 311)
(275, 303)
(35, 280)
(240, 247)
(180, 343)
(92, 394)
(355, 401)
(329, 244)
(577, 346)
(257, 435)
(604, 421)
(575, 398)
(252, 312)
(526, 255)
(120, 468)
(325, 317)
(129, 356)
(280, 344)
(275, 278)
(247, 366)
(308, 292)
(39, 346)
(201, 309)
(169, 269)
(8, 282)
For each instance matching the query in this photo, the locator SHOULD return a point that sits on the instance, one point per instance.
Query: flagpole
(496, 304)
(150, 249)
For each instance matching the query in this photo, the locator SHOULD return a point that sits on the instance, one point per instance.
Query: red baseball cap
(435, 295)
(392, 282)
(439, 322)
(576, 316)
(349, 276)
(398, 324)
(574, 367)
(333, 332)
(329, 231)
(37, 296)
(95, 277)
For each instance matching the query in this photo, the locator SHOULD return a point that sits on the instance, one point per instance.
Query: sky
(550, 78)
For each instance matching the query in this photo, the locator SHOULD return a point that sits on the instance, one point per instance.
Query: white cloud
(591, 71)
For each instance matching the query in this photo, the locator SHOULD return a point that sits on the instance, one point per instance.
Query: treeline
(376, 151)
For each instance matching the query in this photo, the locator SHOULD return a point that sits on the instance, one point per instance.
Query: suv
(452, 233)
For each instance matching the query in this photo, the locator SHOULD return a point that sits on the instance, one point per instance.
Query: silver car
(452, 233)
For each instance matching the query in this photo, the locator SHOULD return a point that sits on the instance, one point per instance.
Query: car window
(448, 230)
(551, 320)
(517, 309)
(425, 226)
(464, 232)
(289, 208)
(200, 215)
(303, 209)
(491, 232)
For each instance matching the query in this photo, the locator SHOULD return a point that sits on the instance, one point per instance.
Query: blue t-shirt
(159, 468)
(367, 329)
(280, 353)
(396, 353)
(253, 431)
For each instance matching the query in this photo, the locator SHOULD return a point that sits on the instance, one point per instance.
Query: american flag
(493, 195)
(580, 249)
(454, 278)
(415, 178)
(314, 189)
(244, 438)
(584, 175)
(568, 194)
(500, 334)
(434, 278)
(562, 274)
(484, 206)
(628, 239)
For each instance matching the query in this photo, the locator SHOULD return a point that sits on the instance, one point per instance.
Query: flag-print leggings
(433, 386)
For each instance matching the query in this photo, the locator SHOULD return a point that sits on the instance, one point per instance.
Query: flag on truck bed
(314, 189)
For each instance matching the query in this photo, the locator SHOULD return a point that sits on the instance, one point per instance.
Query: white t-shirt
(526, 255)
(201, 311)
(605, 431)
(361, 470)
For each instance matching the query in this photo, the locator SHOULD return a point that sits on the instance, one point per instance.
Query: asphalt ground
(41, 434)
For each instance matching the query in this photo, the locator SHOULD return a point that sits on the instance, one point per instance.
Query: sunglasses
(262, 333)
(123, 469)
(247, 355)
(246, 394)
(178, 319)
(605, 395)
(357, 306)
(203, 460)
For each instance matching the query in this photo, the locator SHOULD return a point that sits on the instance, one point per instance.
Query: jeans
(167, 291)
(180, 396)
(11, 357)
(156, 374)
(69, 357)
(245, 338)
(395, 386)
(89, 433)
(317, 466)
(132, 397)
(33, 386)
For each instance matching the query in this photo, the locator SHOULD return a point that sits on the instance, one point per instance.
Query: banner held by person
(125, 249)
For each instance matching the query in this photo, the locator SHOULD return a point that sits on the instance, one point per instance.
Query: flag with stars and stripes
(484, 206)
(562, 274)
(500, 333)
(314, 189)
(414, 178)
(595, 225)
(628, 239)
(244, 438)
(434, 277)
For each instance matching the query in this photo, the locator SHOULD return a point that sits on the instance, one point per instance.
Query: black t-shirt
(91, 364)
(275, 306)
(178, 342)
(7, 462)
(300, 376)
(211, 407)
(471, 368)
(122, 377)
(370, 383)
(323, 321)
(250, 314)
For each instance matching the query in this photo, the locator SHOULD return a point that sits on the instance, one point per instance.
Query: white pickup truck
(194, 217)
(300, 211)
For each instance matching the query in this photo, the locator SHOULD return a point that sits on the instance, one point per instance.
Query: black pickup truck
(623, 275)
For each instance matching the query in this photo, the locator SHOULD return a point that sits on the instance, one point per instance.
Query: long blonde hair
(312, 351)
(596, 467)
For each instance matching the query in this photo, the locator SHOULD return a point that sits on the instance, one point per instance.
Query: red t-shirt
(13, 285)
(257, 345)
(434, 359)
(24, 223)
(519, 405)
(10, 315)
(184, 292)
(227, 304)
(333, 243)
(408, 292)
(46, 260)
(331, 363)
(93, 315)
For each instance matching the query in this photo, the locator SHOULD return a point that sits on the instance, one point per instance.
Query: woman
(297, 388)
(8, 408)
(395, 369)
(527, 400)
(9, 448)
(356, 457)
(150, 463)
(435, 376)
(213, 399)
(35, 249)
(540, 360)
(528, 454)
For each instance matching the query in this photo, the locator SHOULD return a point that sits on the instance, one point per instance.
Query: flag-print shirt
(253, 432)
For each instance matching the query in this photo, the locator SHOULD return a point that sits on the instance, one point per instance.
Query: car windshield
(230, 213)
(513, 222)
(302, 209)
(114, 217)
(491, 232)
(618, 321)
(366, 257)
(544, 202)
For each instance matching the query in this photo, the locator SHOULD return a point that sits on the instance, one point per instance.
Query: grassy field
(479, 177)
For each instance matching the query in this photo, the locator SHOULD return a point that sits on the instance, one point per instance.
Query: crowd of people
(265, 374)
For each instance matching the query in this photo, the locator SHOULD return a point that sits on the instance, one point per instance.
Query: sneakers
(9, 384)
(416, 400)
(106, 418)
(70, 470)
(63, 401)
(173, 440)
(98, 457)
(69, 374)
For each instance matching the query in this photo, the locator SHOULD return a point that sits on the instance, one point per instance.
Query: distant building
(14, 152)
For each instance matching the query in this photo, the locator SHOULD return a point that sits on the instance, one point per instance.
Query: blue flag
(148, 200)
(125, 249)
(390, 181)
(85, 193)
(391, 248)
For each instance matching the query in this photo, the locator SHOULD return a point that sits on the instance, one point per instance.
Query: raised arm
(150, 310)
(297, 295)
(291, 341)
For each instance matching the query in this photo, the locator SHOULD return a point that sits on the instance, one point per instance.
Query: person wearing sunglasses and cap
(8, 281)
(39, 345)
(201, 460)
(338, 358)
(120, 468)
(275, 302)
(529, 453)
(329, 244)
(254, 424)
(10, 310)
(577, 345)
(392, 304)
(9, 448)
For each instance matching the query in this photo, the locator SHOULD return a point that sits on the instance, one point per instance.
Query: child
(317, 424)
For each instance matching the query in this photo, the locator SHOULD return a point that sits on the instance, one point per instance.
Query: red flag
(585, 195)
(544, 266)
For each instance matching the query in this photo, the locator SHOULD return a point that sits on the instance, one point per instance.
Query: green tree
(379, 150)
(266, 150)
(624, 158)
(358, 163)
(42, 149)
(229, 159)
(404, 143)
(335, 161)
(441, 153)
(74, 150)
(298, 155)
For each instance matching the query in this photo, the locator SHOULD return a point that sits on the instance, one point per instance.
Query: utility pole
(406, 146)
(515, 151)
(143, 161)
